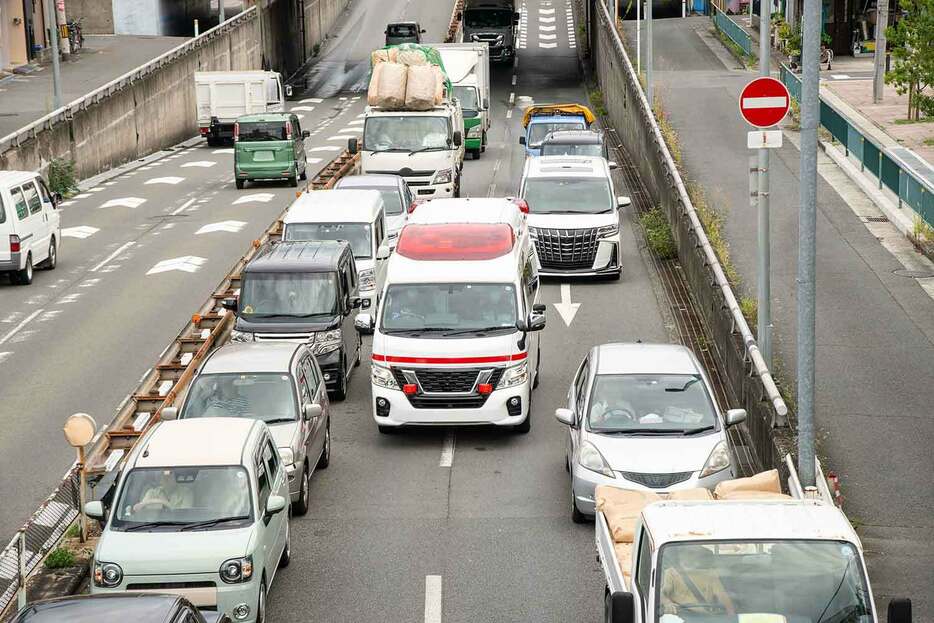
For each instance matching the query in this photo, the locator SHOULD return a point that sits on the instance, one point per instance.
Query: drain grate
(914, 274)
(876, 219)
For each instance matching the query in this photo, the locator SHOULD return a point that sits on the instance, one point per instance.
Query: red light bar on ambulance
(461, 241)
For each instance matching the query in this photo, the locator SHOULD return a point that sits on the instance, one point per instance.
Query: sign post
(763, 103)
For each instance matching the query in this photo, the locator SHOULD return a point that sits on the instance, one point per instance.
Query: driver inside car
(691, 584)
(167, 493)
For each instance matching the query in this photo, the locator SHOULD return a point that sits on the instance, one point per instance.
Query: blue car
(541, 120)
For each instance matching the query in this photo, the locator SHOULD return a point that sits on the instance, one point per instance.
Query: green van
(269, 146)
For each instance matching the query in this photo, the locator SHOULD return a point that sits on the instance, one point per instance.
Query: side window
(271, 456)
(297, 126)
(20, 203)
(580, 387)
(345, 282)
(311, 375)
(44, 191)
(263, 485)
(644, 570)
(304, 383)
(32, 197)
(2, 210)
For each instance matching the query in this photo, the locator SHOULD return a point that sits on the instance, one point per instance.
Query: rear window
(253, 131)
(32, 198)
(403, 30)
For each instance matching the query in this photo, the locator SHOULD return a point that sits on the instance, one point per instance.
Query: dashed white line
(203, 164)
(447, 450)
(5, 356)
(432, 599)
(20, 326)
(512, 99)
(80, 232)
(165, 180)
(182, 208)
(122, 248)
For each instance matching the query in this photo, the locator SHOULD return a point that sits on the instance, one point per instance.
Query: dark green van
(269, 146)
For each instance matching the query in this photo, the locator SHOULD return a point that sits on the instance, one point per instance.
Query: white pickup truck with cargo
(468, 67)
(223, 96)
(745, 553)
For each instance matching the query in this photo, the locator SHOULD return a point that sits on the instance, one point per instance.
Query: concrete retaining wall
(306, 26)
(630, 115)
(97, 16)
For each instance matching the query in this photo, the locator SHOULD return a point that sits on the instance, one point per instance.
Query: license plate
(263, 156)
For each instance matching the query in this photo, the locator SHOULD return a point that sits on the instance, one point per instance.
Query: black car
(303, 292)
(577, 143)
(403, 32)
(117, 608)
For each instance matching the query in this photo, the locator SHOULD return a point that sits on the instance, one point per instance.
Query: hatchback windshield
(252, 131)
(266, 396)
(662, 403)
(539, 131)
(568, 195)
(794, 581)
(357, 234)
(467, 96)
(572, 149)
(487, 18)
(184, 498)
(455, 309)
(405, 133)
(271, 295)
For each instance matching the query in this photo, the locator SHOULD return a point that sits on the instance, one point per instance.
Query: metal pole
(684, 10)
(61, 20)
(196, 28)
(750, 13)
(638, 37)
(648, 53)
(878, 57)
(807, 244)
(764, 306)
(82, 496)
(220, 12)
(50, 22)
(753, 181)
(615, 13)
(21, 555)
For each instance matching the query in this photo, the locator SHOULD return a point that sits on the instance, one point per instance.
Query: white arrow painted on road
(300, 108)
(547, 46)
(81, 232)
(312, 100)
(124, 202)
(261, 197)
(566, 308)
(166, 180)
(186, 263)
(548, 37)
(228, 226)
(202, 164)
(225, 150)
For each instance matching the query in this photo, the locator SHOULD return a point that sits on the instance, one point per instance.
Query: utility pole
(639, 37)
(61, 20)
(764, 284)
(648, 54)
(221, 17)
(878, 57)
(51, 22)
(807, 241)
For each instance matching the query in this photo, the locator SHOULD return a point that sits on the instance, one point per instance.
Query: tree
(912, 41)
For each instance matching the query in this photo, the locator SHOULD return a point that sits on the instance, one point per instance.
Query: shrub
(750, 308)
(62, 177)
(60, 558)
(658, 234)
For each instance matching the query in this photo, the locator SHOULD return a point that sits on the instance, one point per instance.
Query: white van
(30, 225)
(356, 216)
(455, 337)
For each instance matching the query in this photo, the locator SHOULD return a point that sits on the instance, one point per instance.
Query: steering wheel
(625, 413)
(143, 505)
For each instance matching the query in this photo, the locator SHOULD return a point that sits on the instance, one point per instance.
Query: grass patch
(73, 531)
(596, 100)
(62, 177)
(914, 121)
(713, 225)
(316, 49)
(795, 115)
(658, 234)
(735, 50)
(928, 142)
(668, 131)
(750, 308)
(60, 558)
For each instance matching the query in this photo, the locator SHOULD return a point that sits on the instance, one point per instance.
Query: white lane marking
(341, 137)
(89, 283)
(165, 180)
(547, 46)
(80, 232)
(124, 202)
(546, 28)
(82, 196)
(311, 100)
(96, 190)
(432, 599)
(509, 114)
(547, 20)
(314, 160)
(547, 37)
(447, 450)
(70, 298)
(202, 164)
(356, 122)
(5, 356)
(764, 102)
(566, 308)
(168, 226)
(546, 11)
(65, 204)
(228, 226)
(225, 150)
(20, 326)
(512, 99)
(300, 108)
(120, 250)
(325, 148)
(261, 197)
(514, 79)
(182, 207)
(186, 263)
(840, 76)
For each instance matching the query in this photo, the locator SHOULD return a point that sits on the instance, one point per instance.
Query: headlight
(475, 132)
(367, 278)
(514, 375)
(287, 456)
(107, 574)
(382, 377)
(718, 460)
(237, 570)
(444, 176)
(607, 231)
(590, 458)
(241, 336)
(326, 342)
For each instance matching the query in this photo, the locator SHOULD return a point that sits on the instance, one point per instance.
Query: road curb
(106, 176)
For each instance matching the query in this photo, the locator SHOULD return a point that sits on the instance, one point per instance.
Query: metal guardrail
(731, 29)
(891, 169)
(66, 113)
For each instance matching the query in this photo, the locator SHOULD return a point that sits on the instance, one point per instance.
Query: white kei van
(455, 338)
(30, 225)
(356, 216)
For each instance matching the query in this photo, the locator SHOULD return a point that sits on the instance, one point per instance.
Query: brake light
(485, 389)
(410, 389)
(14, 243)
(288, 131)
(522, 204)
(204, 131)
(412, 206)
(455, 241)
(236, 132)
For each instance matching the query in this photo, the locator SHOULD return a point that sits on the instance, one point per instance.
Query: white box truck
(223, 96)
(468, 67)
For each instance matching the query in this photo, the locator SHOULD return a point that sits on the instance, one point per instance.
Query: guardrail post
(21, 560)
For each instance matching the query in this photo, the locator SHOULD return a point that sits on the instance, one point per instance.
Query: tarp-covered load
(558, 109)
(424, 76)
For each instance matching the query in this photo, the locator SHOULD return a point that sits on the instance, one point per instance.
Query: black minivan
(303, 292)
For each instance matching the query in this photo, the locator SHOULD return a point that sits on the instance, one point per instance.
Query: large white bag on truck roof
(763, 481)
(622, 508)
(372, 92)
(439, 84)
(412, 57)
(420, 88)
(390, 86)
(384, 55)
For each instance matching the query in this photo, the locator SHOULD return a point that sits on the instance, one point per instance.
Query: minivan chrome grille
(283, 337)
(566, 249)
(656, 481)
(447, 388)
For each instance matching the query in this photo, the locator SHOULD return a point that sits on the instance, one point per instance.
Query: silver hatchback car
(643, 416)
(279, 383)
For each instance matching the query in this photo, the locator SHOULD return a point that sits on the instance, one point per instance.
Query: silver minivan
(279, 383)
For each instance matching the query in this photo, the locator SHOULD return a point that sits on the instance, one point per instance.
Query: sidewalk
(25, 98)
(875, 324)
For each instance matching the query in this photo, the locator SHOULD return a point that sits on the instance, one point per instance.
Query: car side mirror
(423, 31)
(522, 140)
(94, 510)
(565, 416)
(288, 90)
(356, 302)
(383, 252)
(536, 322)
(620, 608)
(458, 139)
(899, 610)
(735, 416)
(306, 133)
(275, 504)
(353, 145)
(613, 165)
(622, 201)
(230, 304)
(539, 308)
(57, 199)
(169, 413)
(364, 322)
(311, 410)
(516, 17)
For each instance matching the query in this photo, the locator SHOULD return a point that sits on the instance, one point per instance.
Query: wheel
(387, 430)
(304, 175)
(293, 181)
(483, 144)
(287, 550)
(359, 358)
(24, 277)
(325, 458)
(476, 154)
(300, 507)
(576, 515)
(567, 464)
(526, 424)
(52, 261)
(261, 603)
(241, 184)
(212, 142)
(340, 392)
(457, 187)
(538, 367)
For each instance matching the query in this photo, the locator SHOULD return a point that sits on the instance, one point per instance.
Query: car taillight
(14, 243)
(236, 132)
(288, 131)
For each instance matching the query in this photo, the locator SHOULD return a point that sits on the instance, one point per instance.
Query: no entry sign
(764, 102)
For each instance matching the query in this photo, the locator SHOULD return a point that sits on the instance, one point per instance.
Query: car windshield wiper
(280, 420)
(213, 522)
(421, 149)
(478, 330)
(155, 524)
(694, 431)
(684, 387)
(287, 315)
(636, 431)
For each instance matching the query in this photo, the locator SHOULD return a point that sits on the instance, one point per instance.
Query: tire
(52, 261)
(286, 557)
(567, 464)
(457, 188)
(300, 506)
(24, 277)
(241, 184)
(476, 154)
(304, 174)
(340, 392)
(293, 181)
(576, 515)
(526, 425)
(483, 144)
(538, 367)
(387, 430)
(325, 458)
(261, 603)
(212, 142)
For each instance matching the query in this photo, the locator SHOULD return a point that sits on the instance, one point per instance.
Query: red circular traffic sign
(764, 102)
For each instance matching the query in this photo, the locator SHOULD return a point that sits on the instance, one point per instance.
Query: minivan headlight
(241, 336)
(718, 460)
(444, 176)
(367, 278)
(237, 570)
(287, 456)
(514, 375)
(607, 231)
(326, 342)
(475, 132)
(382, 377)
(107, 574)
(590, 458)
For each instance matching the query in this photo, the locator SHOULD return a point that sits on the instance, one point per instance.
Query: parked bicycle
(75, 36)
